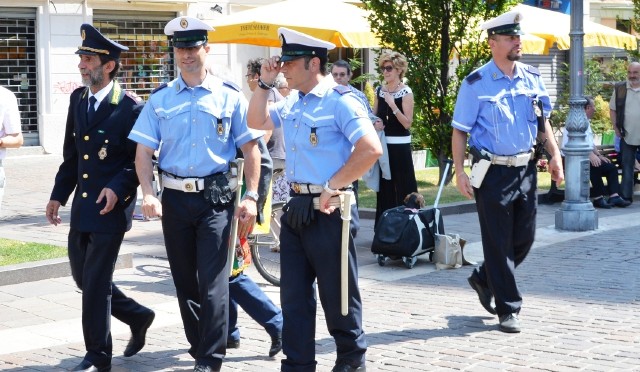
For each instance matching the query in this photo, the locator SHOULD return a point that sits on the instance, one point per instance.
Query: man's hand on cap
(270, 69)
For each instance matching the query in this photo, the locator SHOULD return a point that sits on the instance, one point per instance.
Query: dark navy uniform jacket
(99, 155)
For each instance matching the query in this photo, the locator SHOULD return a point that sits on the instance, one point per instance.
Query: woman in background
(394, 105)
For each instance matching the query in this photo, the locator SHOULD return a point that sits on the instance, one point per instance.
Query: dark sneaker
(617, 201)
(601, 203)
(233, 344)
(484, 294)
(343, 367)
(509, 323)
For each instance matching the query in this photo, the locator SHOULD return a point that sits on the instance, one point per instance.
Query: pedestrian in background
(599, 166)
(393, 104)
(497, 106)
(99, 166)
(330, 143)
(200, 120)
(625, 118)
(10, 130)
(342, 74)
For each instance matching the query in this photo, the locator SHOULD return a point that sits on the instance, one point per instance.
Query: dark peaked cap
(94, 43)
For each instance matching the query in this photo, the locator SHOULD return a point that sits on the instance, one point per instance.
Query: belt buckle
(189, 185)
(296, 187)
(522, 159)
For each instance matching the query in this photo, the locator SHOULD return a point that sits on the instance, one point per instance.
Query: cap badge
(83, 35)
(184, 23)
(516, 19)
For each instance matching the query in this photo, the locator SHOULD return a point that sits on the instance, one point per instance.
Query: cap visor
(188, 44)
(86, 52)
(289, 58)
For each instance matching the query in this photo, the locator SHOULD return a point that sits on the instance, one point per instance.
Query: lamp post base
(580, 216)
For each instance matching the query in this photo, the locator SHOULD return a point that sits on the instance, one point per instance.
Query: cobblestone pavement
(581, 301)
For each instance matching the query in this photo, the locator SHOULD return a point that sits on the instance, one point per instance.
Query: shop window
(149, 61)
(18, 67)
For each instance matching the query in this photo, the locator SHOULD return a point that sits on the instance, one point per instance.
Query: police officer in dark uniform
(99, 165)
(200, 120)
(330, 142)
(498, 106)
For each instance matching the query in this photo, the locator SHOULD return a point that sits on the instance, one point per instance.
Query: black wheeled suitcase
(406, 233)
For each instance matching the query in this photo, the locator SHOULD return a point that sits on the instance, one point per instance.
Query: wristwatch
(251, 195)
(329, 190)
(264, 85)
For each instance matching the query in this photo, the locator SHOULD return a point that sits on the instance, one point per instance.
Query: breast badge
(313, 137)
(102, 154)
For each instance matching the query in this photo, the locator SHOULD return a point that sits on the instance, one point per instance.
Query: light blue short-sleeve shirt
(197, 129)
(320, 130)
(498, 112)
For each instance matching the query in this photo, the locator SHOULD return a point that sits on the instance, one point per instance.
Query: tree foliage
(442, 42)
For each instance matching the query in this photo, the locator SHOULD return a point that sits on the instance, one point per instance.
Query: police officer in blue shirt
(196, 121)
(498, 107)
(99, 166)
(330, 142)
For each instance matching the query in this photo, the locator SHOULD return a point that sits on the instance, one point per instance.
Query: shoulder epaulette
(473, 77)
(342, 89)
(533, 70)
(231, 85)
(131, 94)
(161, 86)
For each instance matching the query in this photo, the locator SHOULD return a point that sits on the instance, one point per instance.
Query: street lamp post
(577, 213)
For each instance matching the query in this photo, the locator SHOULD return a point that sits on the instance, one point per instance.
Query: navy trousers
(308, 254)
(196, 236)
(92, 257)
(244, 292)
(507, 207)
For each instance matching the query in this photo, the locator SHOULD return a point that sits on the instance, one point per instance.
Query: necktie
(92, 109)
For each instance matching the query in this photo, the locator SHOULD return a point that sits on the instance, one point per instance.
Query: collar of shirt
(497, 74)
(629, 87)
(209, 83)
(322, 88)
(101, 94)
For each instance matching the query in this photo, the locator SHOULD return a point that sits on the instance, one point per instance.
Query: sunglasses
(340, 74)
(386, 68)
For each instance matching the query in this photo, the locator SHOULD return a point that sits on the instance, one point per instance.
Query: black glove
(216, 190)
(300, 212)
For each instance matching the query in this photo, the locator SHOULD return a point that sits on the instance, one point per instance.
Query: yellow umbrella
(554, 27)
(532, 44)
(341, 23)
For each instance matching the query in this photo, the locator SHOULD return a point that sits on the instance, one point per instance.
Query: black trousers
(609, 171)
(308, 254)
(627, 163)
(93, 257)
(507, 207)
(196, 237)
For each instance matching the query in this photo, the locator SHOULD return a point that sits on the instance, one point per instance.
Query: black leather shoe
(276, 345)
(601, 203)
(86, 366)
(509, 323)
(138, 336)
(617, 201)
(484, 294)
(233, 344)
(202, 368)
(344, 367)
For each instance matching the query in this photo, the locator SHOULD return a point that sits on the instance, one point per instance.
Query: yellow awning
(341, 23)
(554, 27)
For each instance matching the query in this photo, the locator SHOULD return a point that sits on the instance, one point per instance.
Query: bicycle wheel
(265, 251)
